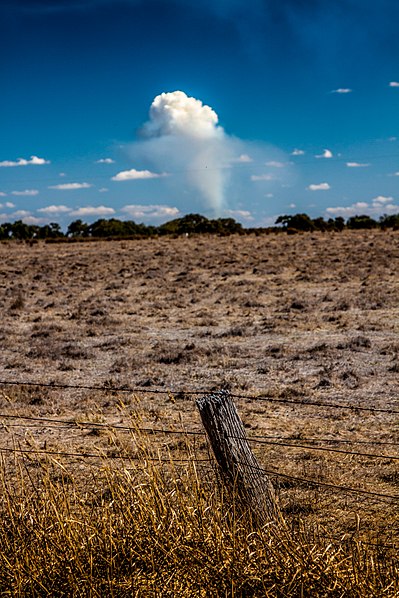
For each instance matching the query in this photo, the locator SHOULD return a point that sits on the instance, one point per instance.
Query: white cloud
(21, 214)
(7, 204)
(93, 211)
(2, 194)
(103, 190)
(243, 158)
(348, 211)
(70, 186)
(394, 84)
(54, 209)
(378, 207)
(319, 187)
(138, 211)
(34, 160)
(297, 152)
(26, 192)
(382, 199)
(342, 90)
(326, 154)
(269, 195)
(275, 164)
(356, 165)
(134, 175)
(292, 205)
(262, 177)
(240, 214)
(105, 161)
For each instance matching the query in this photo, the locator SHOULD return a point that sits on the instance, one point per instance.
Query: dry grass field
(279, 320)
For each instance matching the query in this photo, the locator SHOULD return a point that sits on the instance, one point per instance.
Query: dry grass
(157, 529)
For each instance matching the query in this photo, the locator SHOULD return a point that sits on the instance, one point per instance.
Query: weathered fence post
(238, 465)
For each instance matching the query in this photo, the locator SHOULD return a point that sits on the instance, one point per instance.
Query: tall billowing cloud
(183, 137)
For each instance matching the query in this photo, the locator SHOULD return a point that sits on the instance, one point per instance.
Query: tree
(299, 222)
(22, 231)
(391, 221)
(77, 228)
(363, 221)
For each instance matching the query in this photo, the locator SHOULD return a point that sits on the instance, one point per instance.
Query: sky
(148, 110)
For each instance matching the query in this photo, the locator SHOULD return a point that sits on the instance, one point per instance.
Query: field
(301, 329)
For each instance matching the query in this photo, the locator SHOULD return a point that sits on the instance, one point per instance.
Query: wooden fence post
(238, 465)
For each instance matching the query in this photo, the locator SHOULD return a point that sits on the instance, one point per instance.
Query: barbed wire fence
(283, 480)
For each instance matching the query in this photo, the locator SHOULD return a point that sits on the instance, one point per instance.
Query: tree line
(187, 225)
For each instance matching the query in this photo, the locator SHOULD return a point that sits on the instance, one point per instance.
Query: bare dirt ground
(301, 318)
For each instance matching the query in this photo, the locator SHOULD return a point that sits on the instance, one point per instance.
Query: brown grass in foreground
(150, 528)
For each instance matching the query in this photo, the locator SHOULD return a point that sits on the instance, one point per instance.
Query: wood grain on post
(238, 465)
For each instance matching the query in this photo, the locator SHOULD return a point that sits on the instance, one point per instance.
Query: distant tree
(191, 223)
(77, 228)
(338, 223)
(300, 222)
(363, 221)
(5, 230)
(22, 231)
(49, 231)
(389, 221)
(320, 224)
(228, 226)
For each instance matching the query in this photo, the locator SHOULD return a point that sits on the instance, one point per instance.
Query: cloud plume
(182, 137)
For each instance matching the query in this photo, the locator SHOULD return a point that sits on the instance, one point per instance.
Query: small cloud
(275, 164)
(292, 206)
(93, 211)
(2, 194)
(342, 90)
(21, 214)
(269, 195)
(297, 152)
(262, 177)
(26, 192)
(326, 154)
(349, 211)
(105, 161)
(34, 160)
(133, 175)
(244, 158)
(241, 214)
(138, 211)
(319, 187)
(382, 199)
(395, 173)
(394, 84)
(103, 190)
(7, 204)
(356, 165)
(70, 186)
(54, 210)
(61, 174)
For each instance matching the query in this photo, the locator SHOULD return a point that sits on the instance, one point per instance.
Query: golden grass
(150, 528)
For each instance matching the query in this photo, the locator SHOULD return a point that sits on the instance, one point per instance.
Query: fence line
(255, 439)
(101, 456)
(183, 392)
(326, 484)
(277, 441)
(277, 474)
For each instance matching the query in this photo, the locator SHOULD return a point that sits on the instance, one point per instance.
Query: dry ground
(312, 317)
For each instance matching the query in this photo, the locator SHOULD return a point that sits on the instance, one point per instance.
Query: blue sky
(284, 106)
